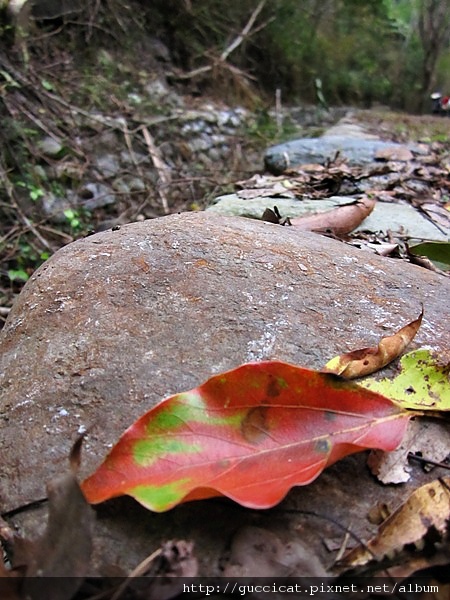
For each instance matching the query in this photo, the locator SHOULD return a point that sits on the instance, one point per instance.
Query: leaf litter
(398, 175)
(425, 512)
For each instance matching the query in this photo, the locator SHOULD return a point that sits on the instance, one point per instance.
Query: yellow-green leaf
(422, 384)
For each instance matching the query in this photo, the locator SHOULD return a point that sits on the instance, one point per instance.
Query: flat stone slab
(402, 220)
(113, 323)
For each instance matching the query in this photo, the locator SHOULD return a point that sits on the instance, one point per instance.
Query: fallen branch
(230, 48)
(160, 166)
(244, 33)
(10, 192)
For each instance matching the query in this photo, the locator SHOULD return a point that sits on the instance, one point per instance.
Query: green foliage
(27, 260)
(73, 219)
(265, 128)
(18, 274)
(35, 191)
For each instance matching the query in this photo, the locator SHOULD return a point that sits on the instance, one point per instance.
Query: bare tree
(434, 31)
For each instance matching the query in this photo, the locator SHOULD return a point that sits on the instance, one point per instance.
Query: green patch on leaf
(422, 384)
(148, 451)
(158, 497)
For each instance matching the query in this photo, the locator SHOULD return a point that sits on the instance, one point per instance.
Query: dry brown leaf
(258, 552)
(340, 220)
(439, 215)
(54, 566)
(428, 507)
(359, 363)
(401, 153)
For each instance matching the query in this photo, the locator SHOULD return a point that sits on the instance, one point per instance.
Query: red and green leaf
(250, 434)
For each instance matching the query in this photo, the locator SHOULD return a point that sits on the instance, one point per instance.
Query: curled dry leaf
(249, 434)
(359, 363)
(340, 220)
(427, 508)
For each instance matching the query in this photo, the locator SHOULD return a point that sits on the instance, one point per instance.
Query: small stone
(50, 146)
(95, 195)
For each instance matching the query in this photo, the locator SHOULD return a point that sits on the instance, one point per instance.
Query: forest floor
(28, 235)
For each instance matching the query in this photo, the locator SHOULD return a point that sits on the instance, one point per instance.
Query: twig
(344, 545)
(427, 461)
(230, 48)
(278, 109)
(24, 218)
(160, 166)
(38, 122)
(244, 33)
(137, 572)
(127, 136)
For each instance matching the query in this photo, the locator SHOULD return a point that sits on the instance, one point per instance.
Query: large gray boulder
(349, 141)
(113, 323)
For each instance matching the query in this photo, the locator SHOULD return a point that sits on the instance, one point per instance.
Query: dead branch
(244, 33)
(160, 166)
(230, 48)
(10, 192)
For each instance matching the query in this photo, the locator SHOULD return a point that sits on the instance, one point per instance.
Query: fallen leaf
(428, 508)
(428, 438)
(278, 189)
(437, 214)
(163, 580)
(55, 565)
(401, 153)
(274, 216)
(422, 382)
(437, 252)
(340, 220)
(249, 434)
(359, 363)
(257, 552)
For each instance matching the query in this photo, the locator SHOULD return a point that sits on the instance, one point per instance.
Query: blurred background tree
(392, 52)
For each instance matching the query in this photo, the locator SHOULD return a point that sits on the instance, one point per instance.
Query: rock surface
(348, 139)
(113, 323)
(357, 151)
